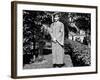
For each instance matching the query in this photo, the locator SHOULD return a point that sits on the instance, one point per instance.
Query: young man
(57, 34)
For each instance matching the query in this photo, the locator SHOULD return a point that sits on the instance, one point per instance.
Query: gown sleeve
(51, 32)
(60, 36)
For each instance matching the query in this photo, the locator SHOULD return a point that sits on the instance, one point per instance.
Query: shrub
(80, 53)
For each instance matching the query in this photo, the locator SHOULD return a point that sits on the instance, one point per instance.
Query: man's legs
(57, 55)
(54, 54)
(60, 56)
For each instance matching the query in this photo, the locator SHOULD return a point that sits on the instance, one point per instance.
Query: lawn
(47, 63)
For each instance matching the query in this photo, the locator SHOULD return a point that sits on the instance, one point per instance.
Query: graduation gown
(57, 32)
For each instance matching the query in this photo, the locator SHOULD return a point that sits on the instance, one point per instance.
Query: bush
(79, 53)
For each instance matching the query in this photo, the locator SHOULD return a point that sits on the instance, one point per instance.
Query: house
(77, 36)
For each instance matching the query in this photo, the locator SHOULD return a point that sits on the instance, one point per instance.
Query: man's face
(56, 18)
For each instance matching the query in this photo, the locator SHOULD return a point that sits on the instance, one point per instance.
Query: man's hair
(56, 15)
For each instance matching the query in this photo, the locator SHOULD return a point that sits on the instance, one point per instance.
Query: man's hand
(54, 39)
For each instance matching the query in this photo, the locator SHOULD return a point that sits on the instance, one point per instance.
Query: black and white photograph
(53, 39)
(56, 39)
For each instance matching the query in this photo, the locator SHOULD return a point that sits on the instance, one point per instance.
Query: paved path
(47, 63)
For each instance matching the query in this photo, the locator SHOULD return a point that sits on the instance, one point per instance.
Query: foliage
(80, 53)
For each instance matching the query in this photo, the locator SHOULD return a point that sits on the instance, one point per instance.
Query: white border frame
(50, 71)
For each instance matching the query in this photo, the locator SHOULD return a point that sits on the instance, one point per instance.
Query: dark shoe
(60, 65)
(54, 65)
